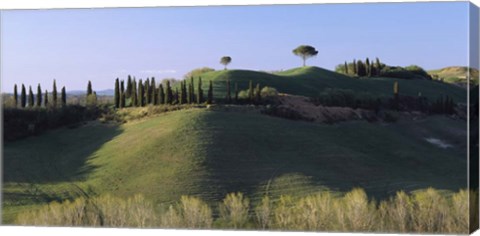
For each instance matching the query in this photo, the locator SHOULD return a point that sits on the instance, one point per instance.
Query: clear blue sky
(74, 46)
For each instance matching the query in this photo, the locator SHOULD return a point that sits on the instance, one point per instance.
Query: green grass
(311, 81)
(211, 153)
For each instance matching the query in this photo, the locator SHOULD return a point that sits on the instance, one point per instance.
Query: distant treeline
(379, 69)
(423, 211)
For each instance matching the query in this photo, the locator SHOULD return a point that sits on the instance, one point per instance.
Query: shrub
(263, 213)
(192, 213)
(100, 211)
(234, 210)
(316, 212)
(356, 212)
(430, 211)
(284, 213)
(268, 92)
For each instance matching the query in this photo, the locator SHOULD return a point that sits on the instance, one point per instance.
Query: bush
(263, 213)
(424, 211)
(316, 212)
(410, 72)
(234, 210)
(268, 92)
(100, 211)
(191, 213)
(430, 212)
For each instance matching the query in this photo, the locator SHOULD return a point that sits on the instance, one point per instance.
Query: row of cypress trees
(40, 99)
(142, 93)
(359, 68)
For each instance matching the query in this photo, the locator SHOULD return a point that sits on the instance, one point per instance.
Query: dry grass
(424, 211)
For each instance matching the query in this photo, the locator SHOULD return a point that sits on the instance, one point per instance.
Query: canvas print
(313, 117)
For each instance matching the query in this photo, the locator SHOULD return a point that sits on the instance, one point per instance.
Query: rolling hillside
(211, 153)
(310, 81)
(455, 74)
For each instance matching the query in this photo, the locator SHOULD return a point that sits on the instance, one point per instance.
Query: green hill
(311, 81)
(210, 153)
(455, 74)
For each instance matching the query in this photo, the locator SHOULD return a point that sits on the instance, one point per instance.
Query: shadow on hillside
(253, 156)
(57, 156)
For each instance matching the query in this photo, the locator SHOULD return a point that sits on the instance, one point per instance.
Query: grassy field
(209, 153)
(455, 74)
(311, 81)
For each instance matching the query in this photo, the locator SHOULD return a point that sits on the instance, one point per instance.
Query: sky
(77, 45)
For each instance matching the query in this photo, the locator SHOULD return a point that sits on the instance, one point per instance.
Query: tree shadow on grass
(56, 156)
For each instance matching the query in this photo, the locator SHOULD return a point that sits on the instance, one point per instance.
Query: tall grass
(423, 211)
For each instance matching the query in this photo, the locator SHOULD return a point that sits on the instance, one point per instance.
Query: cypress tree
(258, 96)
(54, 92)
(122, 99)
(361, 70)
(148, 94)
(30, 97)
(367, 67)
(192, 87)
(184, 92)
(64, 96)
(23, 97)
(117, 94)
(140, 94)
(128, 93)
(377, 63)
(89, 88)
(39, 96)
(346, 68)
(210, 93)
(189, 93)
(200, 92)
(250, 91)
(182, 95)
(161, 95)
(355, 71)
(236, 92)
(153, 88)
(122, 87)
(229, 97)
(168, 97)
(46, 98)
(15, 95)
(175, 97)
(134, 93)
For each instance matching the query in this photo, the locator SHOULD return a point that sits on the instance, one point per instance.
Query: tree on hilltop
(225, 61)
(305, 52)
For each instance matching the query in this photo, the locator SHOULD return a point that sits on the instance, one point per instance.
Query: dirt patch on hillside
(319, 113)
